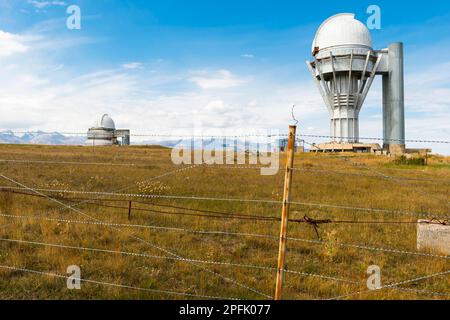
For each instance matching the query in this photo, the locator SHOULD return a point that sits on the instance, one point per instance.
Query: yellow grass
(327, 259)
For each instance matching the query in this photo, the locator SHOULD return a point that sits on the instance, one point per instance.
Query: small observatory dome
(107, 123)
(104, 133)
(342, 30)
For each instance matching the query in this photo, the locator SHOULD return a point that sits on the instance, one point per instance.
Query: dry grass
(328, 259)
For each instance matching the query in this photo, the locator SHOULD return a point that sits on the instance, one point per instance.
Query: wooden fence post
(285, 210)
(129, 210)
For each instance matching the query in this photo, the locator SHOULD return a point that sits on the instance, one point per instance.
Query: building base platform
(347, 147)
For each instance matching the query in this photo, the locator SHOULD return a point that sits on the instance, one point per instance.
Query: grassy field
(327, 268)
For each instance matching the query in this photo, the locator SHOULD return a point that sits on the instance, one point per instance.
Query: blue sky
(158, 65)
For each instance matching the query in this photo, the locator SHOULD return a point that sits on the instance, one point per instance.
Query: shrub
(403, 160)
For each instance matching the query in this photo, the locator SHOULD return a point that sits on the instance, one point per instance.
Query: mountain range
(39, 137)
(55, 138)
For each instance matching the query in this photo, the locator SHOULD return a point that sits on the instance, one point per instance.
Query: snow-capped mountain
(55, 138)
(40, 137)
(211, 144)
(9, 137)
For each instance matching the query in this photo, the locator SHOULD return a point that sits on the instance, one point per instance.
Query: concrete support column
(395, 103)
(386, 113)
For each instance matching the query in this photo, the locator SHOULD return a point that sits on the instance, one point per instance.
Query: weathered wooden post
(129, 210)
(285, 210)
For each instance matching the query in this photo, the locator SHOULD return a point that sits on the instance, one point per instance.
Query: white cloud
(428, 90)
(222, 79)
(11, 44)
(133, 65)
(247, 55)
(47, 96)
(217, 114)
(44, 4)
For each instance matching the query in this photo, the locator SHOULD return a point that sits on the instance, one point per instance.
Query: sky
(228, 66)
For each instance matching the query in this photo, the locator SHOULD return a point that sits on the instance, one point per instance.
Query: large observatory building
(104, 133)
(344, 65)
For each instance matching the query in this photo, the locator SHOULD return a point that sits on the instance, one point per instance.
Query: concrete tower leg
(386, 114)
(395, 107)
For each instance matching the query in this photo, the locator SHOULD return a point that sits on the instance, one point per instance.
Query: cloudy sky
(156, 66)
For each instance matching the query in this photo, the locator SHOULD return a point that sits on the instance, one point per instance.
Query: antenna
(293, 116)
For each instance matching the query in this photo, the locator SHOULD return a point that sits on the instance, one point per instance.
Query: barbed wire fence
(101, 199)
(243, 135)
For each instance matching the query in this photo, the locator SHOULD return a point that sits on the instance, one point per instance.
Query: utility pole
(285, 210)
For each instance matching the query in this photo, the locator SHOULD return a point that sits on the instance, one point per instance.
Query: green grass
(324, 187)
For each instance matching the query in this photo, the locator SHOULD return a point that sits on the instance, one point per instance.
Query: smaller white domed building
(104, 133)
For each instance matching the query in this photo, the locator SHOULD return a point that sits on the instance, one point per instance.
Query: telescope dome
(105, 122)
(342, 30)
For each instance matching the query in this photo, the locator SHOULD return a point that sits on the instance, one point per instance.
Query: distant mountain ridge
(56, 138)
(39, 137)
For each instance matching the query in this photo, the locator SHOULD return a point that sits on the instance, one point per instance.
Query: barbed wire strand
(403, 183)
(144, 255)
(142, 240)
(45, 162)
(259, 167)
(90, 200)
(230, 233)
(215, 214)
(392, 285)
(267, 135)
(423, 292)
(200, 198)
(385, 176)
(231, 215)
(125, 225)
(56, 275)
(214, 166)
(368, 175)
(133, 236)
(302, 273)
(370, 248)
(376, 138)
(64, 207)
(175, 171)
(136, 254)
(307, 274)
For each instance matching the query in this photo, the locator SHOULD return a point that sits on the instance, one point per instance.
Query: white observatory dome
(342, 30)
(105, 122)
